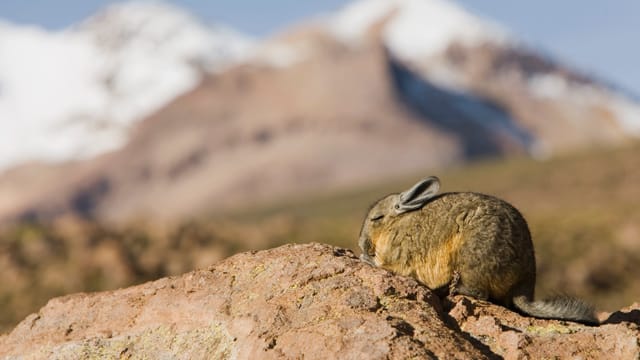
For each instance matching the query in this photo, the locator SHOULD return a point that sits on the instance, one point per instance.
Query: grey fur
(481, 241)
(418, 195)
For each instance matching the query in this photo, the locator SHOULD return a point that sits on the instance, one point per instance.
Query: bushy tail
(561, 308)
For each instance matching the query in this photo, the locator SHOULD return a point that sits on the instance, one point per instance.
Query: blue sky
(599, 37)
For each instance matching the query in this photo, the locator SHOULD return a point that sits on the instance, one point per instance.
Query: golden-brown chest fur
(409, 253)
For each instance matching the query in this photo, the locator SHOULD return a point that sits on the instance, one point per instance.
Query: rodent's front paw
(366, 258)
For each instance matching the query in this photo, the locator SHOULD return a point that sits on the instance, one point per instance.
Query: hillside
(350, 99)
(582, 210)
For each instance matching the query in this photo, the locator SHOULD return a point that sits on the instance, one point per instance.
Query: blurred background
(146, 139)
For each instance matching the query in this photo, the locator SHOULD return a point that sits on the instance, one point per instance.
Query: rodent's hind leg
(458, 287)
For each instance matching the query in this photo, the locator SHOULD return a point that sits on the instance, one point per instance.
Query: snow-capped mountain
(379, 89)
(448, 47)
(75, 93)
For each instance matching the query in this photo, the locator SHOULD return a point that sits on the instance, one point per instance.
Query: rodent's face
(379, 225)
(379, 219)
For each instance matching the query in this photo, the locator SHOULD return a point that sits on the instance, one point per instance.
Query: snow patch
(352, 23)
(627, 113)
(75, 93)
(548, 86)
(428, 27)
(279, 55)
(556, 87)
(47, 84)
(417, 28)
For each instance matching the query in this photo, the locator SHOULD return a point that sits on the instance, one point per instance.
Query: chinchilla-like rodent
(474, 244)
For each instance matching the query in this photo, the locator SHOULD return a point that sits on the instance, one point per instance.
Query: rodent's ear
(418, 195)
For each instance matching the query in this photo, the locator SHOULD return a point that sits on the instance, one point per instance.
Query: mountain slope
(468, 56)
(238, 146)
(350, 99)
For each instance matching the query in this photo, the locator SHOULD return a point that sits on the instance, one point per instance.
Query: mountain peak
(152, 27)
(137, 13)
(416, 28)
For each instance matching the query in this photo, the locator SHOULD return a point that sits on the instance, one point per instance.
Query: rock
(512, 336)
(312, 300)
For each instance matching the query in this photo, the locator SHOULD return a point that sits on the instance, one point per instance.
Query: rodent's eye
(376, 217)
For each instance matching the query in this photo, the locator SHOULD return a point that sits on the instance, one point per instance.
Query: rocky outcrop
(313, 300)
(512, 336)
